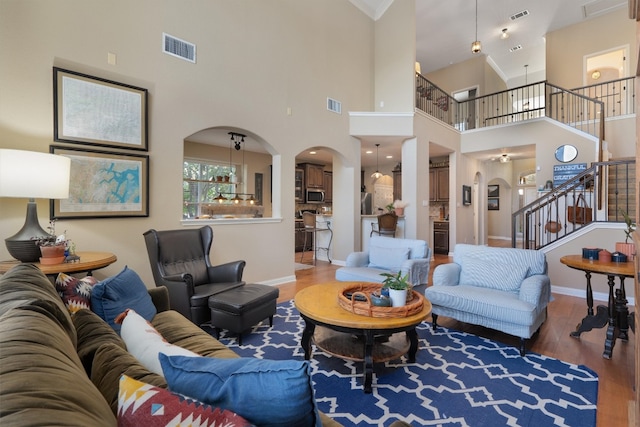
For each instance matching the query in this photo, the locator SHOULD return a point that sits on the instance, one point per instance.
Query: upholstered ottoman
(238, 309)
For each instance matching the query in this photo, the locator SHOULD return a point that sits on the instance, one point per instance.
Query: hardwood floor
(616, 376)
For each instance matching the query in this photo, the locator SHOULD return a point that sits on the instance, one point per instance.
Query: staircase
(559, 213)
(622, 192)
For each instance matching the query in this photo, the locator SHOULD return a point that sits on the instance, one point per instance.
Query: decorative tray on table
(356, 299)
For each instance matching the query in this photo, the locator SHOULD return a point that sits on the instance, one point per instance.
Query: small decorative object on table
(604, 256)
(618, 257)
(53, 248)
(590, 253)
(357, 298)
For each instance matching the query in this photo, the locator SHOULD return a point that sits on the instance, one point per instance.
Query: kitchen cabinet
(397, 183)
(299, 183)
(313, 175)
(441, 237)
(328, 186)
(439, 184)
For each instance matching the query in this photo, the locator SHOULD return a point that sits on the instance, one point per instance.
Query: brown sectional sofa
(64, 370)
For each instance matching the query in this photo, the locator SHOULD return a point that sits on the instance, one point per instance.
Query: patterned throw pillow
(141, 404)
(75, 293)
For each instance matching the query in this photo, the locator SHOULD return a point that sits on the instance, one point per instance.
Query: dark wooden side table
(89, 261)
(616, 313)
(318, 305)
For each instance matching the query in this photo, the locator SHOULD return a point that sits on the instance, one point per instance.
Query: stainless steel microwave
(315, 196)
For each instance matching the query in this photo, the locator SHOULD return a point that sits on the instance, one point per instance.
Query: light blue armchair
(388, 255)
(500, 288)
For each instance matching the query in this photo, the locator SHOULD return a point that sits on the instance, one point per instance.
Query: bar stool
(386, 225)
(310, 226)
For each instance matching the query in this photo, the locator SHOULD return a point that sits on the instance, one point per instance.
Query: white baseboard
(581, 293)
(279, 281)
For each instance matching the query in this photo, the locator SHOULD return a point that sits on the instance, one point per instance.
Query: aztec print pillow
(75, 293)
(141, 404)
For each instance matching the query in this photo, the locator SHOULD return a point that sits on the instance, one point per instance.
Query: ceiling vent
(334, 105)
(179, 48)
(519, 15)
(600, 7)
(517, 47)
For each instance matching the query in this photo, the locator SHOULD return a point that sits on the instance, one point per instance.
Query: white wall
(255, 59)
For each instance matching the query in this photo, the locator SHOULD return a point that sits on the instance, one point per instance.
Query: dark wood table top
(595, 266)
(89, 261)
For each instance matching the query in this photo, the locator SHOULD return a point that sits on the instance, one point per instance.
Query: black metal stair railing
(573, 205)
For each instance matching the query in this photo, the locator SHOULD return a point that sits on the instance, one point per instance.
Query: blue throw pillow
(264, 392)
(114, 295)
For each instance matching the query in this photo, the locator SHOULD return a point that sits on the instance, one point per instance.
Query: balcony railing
(581, 108)
(618, 96)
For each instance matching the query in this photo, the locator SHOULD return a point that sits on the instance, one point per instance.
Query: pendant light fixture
(476, 46)
(377, 174)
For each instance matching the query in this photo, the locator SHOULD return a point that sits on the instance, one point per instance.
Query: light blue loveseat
(388, 255)
(500, 288)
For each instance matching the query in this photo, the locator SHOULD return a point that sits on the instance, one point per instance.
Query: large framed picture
(95, 111)
(104, 184)
(493, 191)
(493, 204)
(466, 195)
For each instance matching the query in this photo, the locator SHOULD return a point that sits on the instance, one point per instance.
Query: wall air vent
(334, 105)
(179, 48)
(519, 15)
(517, 47)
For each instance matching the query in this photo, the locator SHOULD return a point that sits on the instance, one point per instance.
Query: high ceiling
(444, 32)
(446, 29)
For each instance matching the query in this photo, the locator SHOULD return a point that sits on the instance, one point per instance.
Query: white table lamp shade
(33, 175)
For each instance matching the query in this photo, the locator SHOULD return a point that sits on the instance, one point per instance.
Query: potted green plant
(398, 286)
(52, 247)
(389, 207)
(625, 247)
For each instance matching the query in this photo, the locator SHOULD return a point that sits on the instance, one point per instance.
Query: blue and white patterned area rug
(458, 380)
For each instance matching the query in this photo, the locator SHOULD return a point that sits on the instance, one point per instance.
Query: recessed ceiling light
(313, 152)
(368, 152)
(389, 157)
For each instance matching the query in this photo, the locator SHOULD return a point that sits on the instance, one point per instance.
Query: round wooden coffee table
(352, 336)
